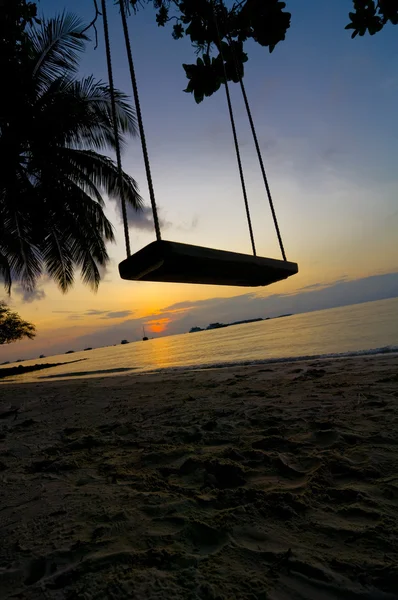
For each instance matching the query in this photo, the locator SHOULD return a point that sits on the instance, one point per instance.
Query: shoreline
(23, 369)
(20, 370)
(251, 482)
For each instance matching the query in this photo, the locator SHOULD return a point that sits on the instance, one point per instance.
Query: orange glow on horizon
(158, 325)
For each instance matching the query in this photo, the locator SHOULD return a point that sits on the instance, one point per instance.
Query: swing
(168, 261)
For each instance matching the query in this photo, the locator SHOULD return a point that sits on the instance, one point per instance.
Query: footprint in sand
(325, 437)
(166, 527)
(189, 537)
(37, 569)
(322, 425)
(199, 538)
(223, 474)
(356, 457)
(271, 483)
(256, 540)
(359, 514)
(292, 467)
(274, 443)
(58, 564)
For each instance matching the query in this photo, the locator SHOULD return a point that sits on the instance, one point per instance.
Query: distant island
(220, 325)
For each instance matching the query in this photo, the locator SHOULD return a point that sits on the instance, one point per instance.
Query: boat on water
(144, 339)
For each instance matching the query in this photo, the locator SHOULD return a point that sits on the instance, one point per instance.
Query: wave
(286, 359)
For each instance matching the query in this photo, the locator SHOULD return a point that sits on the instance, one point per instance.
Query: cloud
(106, 271)
(92, 312)
(253, 305)
(181, 316)
(313, 286)
(183, 305)
(318, 286)
(117, 314)
(158, 325)
(29, 296)
(190, 226)
(143, 219)
(244, 306)
(204, 303)
(130, 329)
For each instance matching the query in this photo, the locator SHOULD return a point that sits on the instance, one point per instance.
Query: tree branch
(92, 24)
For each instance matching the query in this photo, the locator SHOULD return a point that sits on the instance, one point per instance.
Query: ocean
(369, 328)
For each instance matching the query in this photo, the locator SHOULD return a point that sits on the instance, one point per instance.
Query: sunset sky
(325, 111)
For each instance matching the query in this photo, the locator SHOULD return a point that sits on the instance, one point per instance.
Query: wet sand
(269, 482)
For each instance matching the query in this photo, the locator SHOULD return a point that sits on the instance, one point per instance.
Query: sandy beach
(269, 482)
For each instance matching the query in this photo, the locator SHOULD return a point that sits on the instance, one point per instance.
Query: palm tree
(53, 128)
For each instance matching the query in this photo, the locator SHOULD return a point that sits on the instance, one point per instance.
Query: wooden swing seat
(165, 261)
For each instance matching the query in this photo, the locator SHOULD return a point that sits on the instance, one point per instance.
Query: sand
(269, 482)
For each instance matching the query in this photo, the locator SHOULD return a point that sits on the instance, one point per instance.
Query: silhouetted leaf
(205, 77)
(178, 31)
(162, 16)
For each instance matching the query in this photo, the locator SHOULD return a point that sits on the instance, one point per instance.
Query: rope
(115, 127)
(140, 121)
(260, 158)
(231, 116)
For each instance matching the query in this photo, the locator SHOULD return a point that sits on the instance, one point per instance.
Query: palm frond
(18, 239)
(5, 272)
(84, 181)
(78, 114)
(56, 45)
(77, 229)
(56, 167)
(97, 96)
(87, 226)
(21, 252)
(104, 174)
(58, 258)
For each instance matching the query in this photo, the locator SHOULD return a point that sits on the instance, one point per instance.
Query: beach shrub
(12, 327)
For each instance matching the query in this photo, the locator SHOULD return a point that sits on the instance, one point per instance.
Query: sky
(325, 111)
